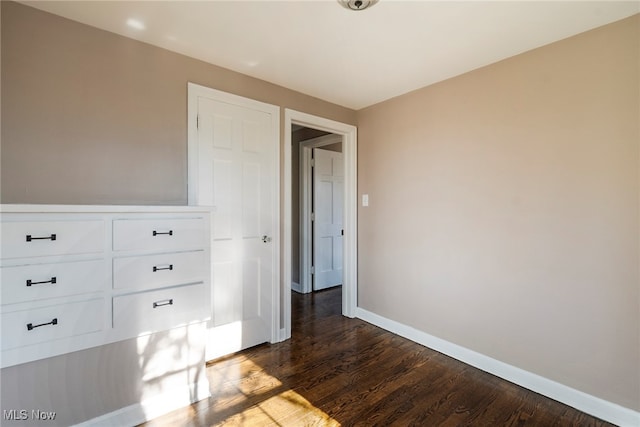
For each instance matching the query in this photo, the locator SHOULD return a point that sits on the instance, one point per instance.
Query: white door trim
(306, 193)
(350, 254)
(193, 92)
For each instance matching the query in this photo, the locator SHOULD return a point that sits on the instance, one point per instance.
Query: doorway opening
(317, 205)
(346, 135)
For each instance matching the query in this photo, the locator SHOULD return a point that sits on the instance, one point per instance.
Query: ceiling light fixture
(357, 4)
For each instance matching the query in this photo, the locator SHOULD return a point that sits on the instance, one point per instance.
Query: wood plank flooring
(339, 371)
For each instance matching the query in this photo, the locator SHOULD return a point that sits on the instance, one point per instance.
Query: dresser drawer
(45, 238)
(39, 281)
(21, 328)
(158, 234)
(158, 310)
(154, 271)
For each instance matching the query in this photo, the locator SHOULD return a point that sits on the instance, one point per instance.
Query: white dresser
(74, 277)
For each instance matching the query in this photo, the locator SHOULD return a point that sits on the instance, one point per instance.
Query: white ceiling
(354, 59)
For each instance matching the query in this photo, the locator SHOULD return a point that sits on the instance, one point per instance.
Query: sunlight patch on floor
(285, 409)
(239, 379)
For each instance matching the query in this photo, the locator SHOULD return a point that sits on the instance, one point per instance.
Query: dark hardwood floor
(340, 371)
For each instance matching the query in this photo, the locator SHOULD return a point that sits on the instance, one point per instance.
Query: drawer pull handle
(158, 233)
(31, 282)
(161, 303)
(30, 238)
(156, 268)
(31, 326)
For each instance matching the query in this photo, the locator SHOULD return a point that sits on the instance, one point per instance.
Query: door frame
(194, 91)
(350, 211)
(306, 193)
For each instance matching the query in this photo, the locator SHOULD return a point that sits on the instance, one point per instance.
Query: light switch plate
(365, 200)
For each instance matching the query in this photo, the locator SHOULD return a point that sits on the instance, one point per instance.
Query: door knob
(266, 238)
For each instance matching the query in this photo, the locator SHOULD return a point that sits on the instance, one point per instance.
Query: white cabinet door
(237, 173)
(22, 239)
(159, 270)
(159, 234)
(44, 324)
(34, 282)
(328, 182)
(160, 309)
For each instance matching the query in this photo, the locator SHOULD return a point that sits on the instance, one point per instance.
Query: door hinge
(198, 121)
(313, 163)
(313, 216)
(313, 270)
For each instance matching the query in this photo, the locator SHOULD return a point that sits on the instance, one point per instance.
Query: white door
(237, 173)
(328, 183)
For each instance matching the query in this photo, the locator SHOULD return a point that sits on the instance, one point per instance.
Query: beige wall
(91, 117)
(337, 147)
(504, 211)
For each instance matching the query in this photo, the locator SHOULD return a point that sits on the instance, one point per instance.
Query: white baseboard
(170, 400)
(584, 402)
(296, 287)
